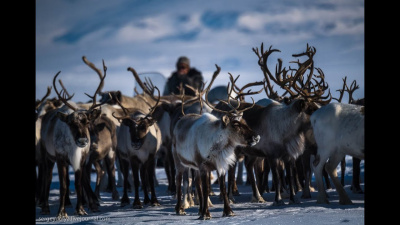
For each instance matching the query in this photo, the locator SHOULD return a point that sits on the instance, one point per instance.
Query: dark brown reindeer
(139, 139)
(205, 143)
(66, 140)
(283, 126)
(355, 184)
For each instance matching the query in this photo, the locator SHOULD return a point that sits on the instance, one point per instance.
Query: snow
(307, 212)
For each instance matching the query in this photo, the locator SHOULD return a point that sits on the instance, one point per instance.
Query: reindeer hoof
(155, 204)
(278, 203)
(180, 212)
(322, 201)
(293, 201)
(138, 206)
(80, 212)
(229, 213)
(257, 200)
(236, 193)
(205, 217)
(62, 215)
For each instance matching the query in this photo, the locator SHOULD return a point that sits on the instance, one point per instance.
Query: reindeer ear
(151, 120)
(94, 114)
(62, 116)
(225, 120)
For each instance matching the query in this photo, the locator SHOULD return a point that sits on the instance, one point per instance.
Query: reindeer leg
(62, 173)
(277, 181)
(109, 160)
(290, 171)
(100, 174)
(135, 173)
(267, 169)
(231, 178)
(227, 209)
(185, 188)
(48, 166)
(307, 174)
(319, 164)
(249, 163)
(91, 196)
(355, 186)
(172, 170)
(124, 165)
(330, 167)
(151, 171)
(178, 207)
(145, 181)
(199, 191)
(205, 213)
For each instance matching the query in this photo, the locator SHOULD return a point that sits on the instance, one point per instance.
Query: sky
(150, 36)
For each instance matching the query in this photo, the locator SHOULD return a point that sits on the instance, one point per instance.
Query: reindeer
(66, 140)
(41, 107)
(103, 144)
(139, 139)
(283, 127)
(205, 143)
(355, 184)
(338, 131)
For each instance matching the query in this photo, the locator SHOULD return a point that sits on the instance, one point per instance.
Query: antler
(341, 91)
(47, 95)
(98, 71)
(234, 111)
(139, 81)
(280, 78)
(296, 84)
(152, 109)
(91, 65)
(62, 98)
(239, 91)
(350, 90)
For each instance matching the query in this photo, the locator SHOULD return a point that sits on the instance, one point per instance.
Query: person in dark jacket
(184, 74)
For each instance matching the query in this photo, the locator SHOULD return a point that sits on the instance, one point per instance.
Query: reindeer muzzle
(137, 143)
(254, 140)
(82, 142)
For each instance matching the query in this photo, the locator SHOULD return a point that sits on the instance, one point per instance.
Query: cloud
(315, 20)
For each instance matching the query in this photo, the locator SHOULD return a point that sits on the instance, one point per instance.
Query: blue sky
(150, 36)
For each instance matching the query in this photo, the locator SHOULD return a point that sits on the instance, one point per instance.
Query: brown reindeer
(139, 139)
(283, 126)
(102, 147)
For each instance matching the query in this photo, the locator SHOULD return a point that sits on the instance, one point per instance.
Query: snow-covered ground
(307, 212)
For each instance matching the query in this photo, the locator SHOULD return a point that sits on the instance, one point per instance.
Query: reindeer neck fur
(205, 144)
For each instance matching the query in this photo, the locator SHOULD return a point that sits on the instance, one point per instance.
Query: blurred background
(150, 36)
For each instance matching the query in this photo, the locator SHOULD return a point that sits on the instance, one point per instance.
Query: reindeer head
(232, 118)
(139, 123)
(79, 119)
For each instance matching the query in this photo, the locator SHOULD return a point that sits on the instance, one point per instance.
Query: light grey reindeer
(205, 143)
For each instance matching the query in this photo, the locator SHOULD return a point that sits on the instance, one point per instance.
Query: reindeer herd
(289, 135)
